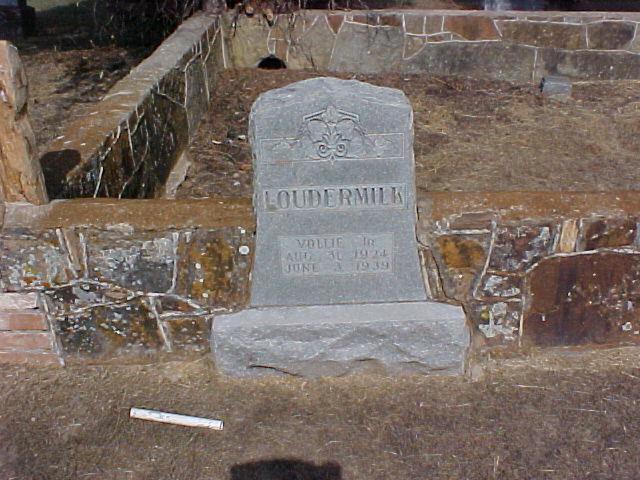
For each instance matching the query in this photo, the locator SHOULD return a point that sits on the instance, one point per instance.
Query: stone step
(34, 357)
(22, 320)
(25, 341)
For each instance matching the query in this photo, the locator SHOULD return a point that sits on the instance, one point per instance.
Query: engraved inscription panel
(348, 254)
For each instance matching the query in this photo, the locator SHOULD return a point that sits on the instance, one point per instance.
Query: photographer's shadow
(285, 469)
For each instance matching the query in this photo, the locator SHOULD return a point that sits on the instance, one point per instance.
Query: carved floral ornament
(331, 135)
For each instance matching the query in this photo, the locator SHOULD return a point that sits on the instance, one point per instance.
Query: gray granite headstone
(336, 275)
(334, 195)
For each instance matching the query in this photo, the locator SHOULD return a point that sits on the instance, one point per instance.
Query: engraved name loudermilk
(330, 197)
(334, 195)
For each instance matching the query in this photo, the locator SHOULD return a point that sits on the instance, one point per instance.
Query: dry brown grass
(556, 415)
(470, 135)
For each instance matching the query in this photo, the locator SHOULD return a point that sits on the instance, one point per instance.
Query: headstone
(337, 283)
(334, 196)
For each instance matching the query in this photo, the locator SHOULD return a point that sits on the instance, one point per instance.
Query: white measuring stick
(176, 419)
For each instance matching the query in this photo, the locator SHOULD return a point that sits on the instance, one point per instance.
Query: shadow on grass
(285, 469)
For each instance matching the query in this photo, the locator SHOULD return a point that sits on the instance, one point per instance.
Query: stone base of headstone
(336, 340)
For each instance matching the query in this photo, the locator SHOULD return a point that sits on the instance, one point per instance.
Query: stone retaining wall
(126, 146)
(118, 278)
(518, 47)
(545, 268)
(130, 277)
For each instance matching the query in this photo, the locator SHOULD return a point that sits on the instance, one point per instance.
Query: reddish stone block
(433, 24)
(472, 221)
(36, 358)
(592, 298)
(391, 20)
(607, 233)
(23, 320)
(471, 27)
(335, 22)
(610, 35)
(24, 340)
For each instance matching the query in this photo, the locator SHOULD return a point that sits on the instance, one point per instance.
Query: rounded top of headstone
(334, 88)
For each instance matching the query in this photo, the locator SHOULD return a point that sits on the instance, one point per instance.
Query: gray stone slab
(388, 338)
(367, 49)
(483, 59)
(556, 86)
(334, 195)
(588, 64)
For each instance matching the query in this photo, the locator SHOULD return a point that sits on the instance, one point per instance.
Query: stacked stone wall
(133, 277)
(520, 47)
(540, 268)
(127, 145)
(117, 278)
(127, 278)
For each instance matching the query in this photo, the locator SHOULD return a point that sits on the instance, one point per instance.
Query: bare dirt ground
(558, 415)
(470, 135)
